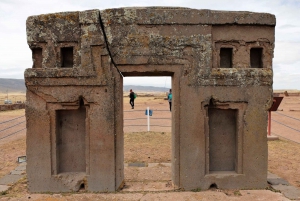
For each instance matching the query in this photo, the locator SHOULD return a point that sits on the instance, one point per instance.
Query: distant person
(170, 99)
(131, 96)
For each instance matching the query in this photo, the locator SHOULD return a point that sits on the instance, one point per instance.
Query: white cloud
(286, 52)
(286, 75)
(287, 82)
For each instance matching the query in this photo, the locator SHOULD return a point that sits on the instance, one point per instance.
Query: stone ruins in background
(221, 68)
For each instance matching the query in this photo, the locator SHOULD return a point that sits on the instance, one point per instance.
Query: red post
(269, 124)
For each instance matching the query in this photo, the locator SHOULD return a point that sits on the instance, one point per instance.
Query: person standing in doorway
(170, 99)
(131, 96)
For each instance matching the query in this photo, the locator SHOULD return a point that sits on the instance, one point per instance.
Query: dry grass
(15, 113)
(18, 189)
(284, 160)
(149, 147)
(148, 99)
(15, 96)
(9, 155)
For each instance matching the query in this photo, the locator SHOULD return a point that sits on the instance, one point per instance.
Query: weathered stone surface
(275, 180)
(10, 179)
(77, 60)
(17, 172)
(290, 192)
(3, 188)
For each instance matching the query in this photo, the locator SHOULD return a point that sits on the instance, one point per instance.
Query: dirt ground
(284, 157)
(153, 147)
(12, 144)
(135, 119)
(284, 160)
(286, 121)
(147, 147)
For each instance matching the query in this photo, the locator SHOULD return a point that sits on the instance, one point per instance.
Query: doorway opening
(147, 134)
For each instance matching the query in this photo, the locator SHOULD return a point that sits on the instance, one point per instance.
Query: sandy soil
(284, 160)
(12, 144)
(135, 119)
(147, 147)
(153, 147)
(284, 157)
(288, 114)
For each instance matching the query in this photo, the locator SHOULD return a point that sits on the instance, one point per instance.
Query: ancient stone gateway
(221, 69)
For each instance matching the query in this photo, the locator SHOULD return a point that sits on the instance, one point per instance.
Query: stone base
(272, 137)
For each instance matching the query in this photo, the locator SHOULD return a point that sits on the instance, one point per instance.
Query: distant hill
(12, 85)
(137, 89)
(18, 85)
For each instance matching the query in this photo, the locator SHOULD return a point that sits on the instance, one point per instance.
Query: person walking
(170, 99)
(131, 96)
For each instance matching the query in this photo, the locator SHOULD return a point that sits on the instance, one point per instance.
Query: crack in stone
(107, 46)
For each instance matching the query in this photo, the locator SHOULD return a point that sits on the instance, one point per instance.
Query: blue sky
(16, 55)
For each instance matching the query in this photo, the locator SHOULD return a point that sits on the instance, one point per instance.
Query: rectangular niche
(226, 58)
(37, 57)
(256, 57)
(222, 139)
(67, 58)
(70, 140)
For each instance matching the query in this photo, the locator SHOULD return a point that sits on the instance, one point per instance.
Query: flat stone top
(179, 15)
(162, 15)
